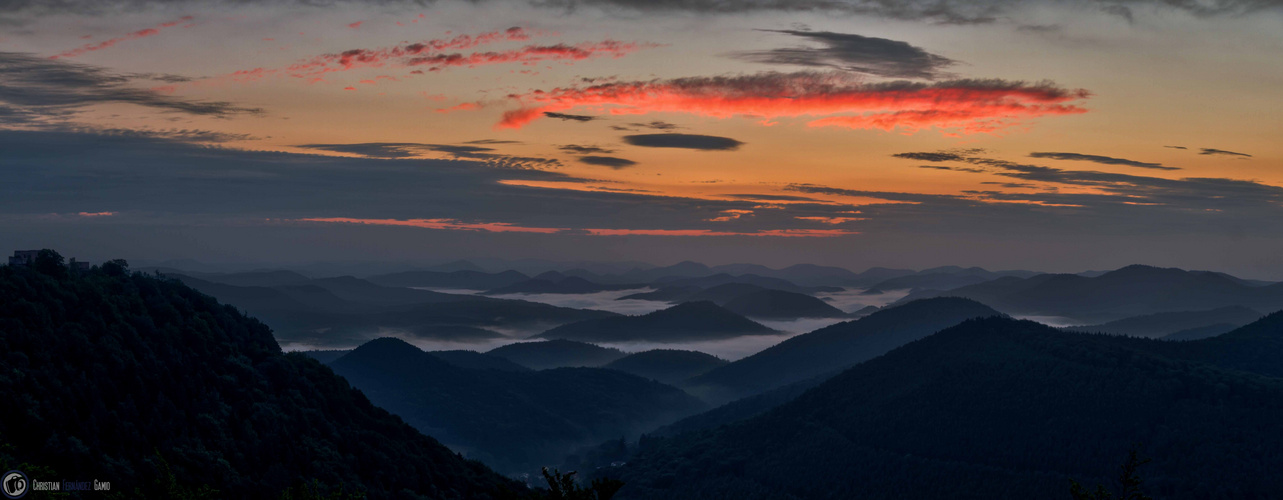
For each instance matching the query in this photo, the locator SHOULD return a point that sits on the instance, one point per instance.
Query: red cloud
(355, 25)
(132, 36)
(374, 58)
(834, 98)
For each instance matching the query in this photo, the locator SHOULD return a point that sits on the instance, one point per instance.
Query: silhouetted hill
(673, 294)
(687, 321)
(1163, 324)
(666, 365)
(560, 284)
(461, 279)
(999, 408)
(474, 360)
(511, 420)
(129, 378)
(1130, 291)
(777, 304)
(835, 347)
(326, 356)
(546, 354)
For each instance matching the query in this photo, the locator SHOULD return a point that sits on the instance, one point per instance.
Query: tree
(50, 263)
(1129, 482)
(563, 487)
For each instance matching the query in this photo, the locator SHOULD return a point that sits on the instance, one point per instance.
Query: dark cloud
(770, 197)
(685, 141)
(657, 125)
(953, 168)
(1104, 160)
(851, 52)
(404, 150)
(39, 89)
(1210, 151)
(937, 156)
(570, 117)
(579, 149)
(607, 161)
(492, 141)
(1176, 147)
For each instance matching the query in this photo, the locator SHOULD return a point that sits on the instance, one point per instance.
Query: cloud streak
(504, 227)
(836, 99)
(1210, 151)
(143, 33)
(1103, 160)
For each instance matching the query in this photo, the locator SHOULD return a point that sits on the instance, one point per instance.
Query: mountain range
(347, 311)
(1130, 291)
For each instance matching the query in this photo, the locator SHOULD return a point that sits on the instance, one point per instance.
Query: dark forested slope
(118, 376)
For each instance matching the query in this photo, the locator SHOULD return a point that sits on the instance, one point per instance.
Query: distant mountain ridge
(682, 322)
(512, 420)
(747, 300)
(347, 311)
(835, 347)
(1161, 325)
(669, 366)
(557, 353)
(1130, 291)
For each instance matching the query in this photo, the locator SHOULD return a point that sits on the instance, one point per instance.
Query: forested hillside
(129, 379)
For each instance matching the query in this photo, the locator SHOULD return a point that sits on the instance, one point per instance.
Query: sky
(1056, 135)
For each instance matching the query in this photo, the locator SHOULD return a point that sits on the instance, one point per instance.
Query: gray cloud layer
(36, 89)
(935, 11)
(851, 52)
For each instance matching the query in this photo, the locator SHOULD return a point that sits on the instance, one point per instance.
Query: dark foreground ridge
(1000, 408)
(165, 393)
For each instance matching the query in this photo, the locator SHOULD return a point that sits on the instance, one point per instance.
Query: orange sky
(1106, 94)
